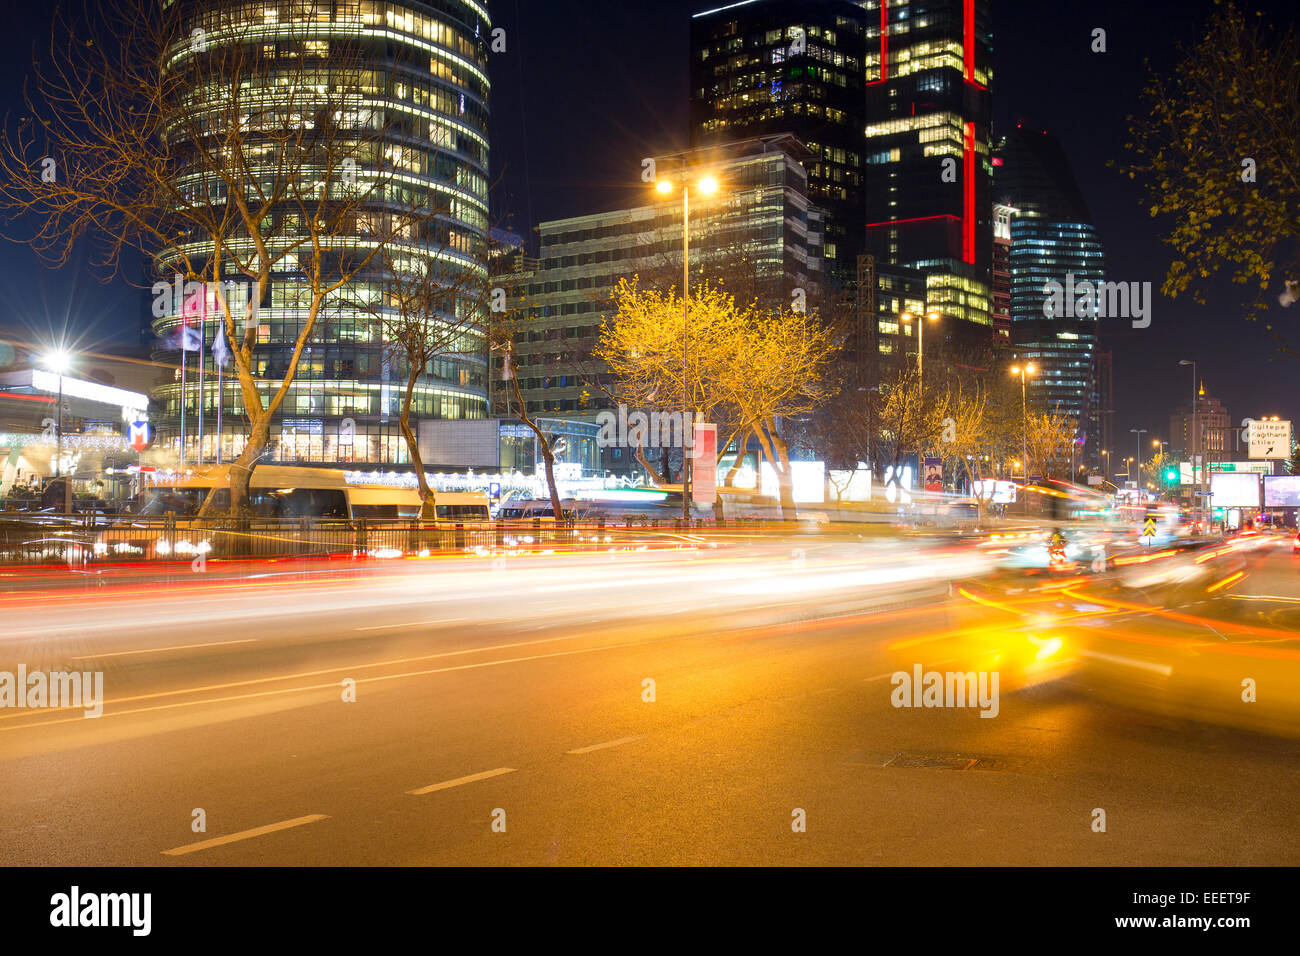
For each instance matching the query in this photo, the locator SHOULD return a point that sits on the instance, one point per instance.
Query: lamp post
(1022, 371)
(58, 362)
(1139, 432)
(906, 318)
(707, 186)
(1105, 466)
(1196, 472)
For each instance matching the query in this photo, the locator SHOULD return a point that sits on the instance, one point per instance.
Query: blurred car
(1295, 544)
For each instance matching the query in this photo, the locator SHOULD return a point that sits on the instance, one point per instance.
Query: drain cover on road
(933, 762)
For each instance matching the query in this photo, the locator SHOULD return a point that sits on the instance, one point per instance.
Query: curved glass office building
(418, 72)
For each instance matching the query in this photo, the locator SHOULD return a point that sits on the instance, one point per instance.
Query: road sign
(1269, 439)
(139, 435)
(1149, 528)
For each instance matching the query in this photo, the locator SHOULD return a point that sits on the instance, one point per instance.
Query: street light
(1139, 432)
(1105, 467)
(707, 186)
(1196, 473)
(906, 318)
(1022, 371)
(58, 361)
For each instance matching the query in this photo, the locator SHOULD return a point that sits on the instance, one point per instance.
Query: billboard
(1258, 467)
(1268, 439)
(1234, 489)
(1282, 491)
(998, 492)
(704, 464)
(933, 474)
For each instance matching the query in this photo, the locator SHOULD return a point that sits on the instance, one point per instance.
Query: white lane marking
(1163, 670)
(244, 835)
(608, 743)
(461, 781)
(328, 670)
(159, 650)
(331, 687)
(381, 627)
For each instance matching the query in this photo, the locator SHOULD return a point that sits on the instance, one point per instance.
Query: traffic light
(1171, 475)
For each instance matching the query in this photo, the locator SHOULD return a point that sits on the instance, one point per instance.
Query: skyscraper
(928, 162)
(789, 66)
(1002, 216)
(1052, 239)
(417, 72)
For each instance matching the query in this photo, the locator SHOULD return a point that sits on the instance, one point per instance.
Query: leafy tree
(1217, 152)
(747, 368)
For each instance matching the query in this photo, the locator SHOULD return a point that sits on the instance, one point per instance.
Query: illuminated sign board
(1234, 490)
(1257, 467)
(1268, 439)
(139, 435)
(1282, 491)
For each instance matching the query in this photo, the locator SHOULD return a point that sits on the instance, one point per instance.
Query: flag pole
(221, 328)
(183, 356)
(203, 334)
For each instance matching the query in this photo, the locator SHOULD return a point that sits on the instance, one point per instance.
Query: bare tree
(177, 132)
(503, 341)
(434, 305)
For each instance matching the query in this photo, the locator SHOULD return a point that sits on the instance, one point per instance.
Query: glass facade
(1052, 239)
(418, 73)
(760, 217)
(928, 149)
(788, 66)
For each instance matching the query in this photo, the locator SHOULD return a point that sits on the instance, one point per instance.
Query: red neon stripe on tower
(884, 40)
(968, 42)
(968, 211)
(884, 44)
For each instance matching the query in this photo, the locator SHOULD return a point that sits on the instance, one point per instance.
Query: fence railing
(94, 539)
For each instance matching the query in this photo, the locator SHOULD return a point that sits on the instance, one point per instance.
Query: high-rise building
(881, 344)
(419, 73)
(1213, 427)
(1002, 216)
(789, 66)
(759, 234)
(928, 157)
(1053, 240)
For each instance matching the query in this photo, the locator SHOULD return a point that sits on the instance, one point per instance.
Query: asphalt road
(503, 714)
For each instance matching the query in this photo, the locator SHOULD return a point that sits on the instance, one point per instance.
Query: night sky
(588, 87)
